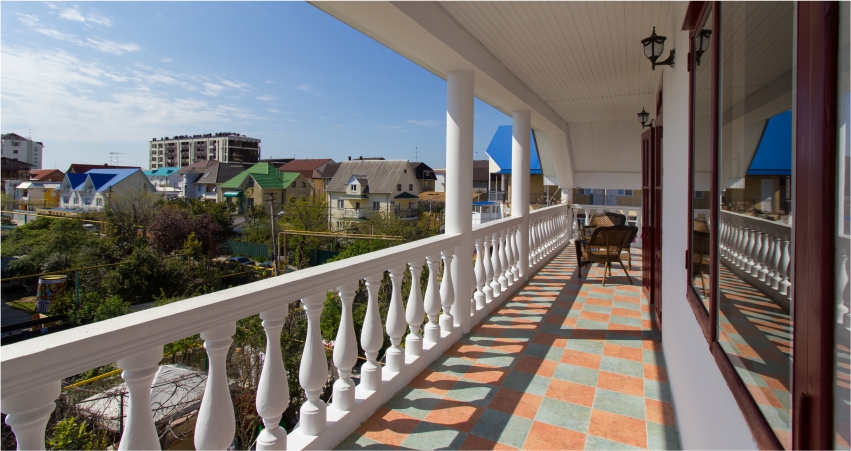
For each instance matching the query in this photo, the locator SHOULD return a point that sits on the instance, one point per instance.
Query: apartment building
(23, 149)
(183, 150)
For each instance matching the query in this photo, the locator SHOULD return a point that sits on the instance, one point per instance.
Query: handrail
(493, 226)
(547, 211)
(42, 360)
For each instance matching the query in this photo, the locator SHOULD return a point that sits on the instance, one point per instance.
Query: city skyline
(95, 78)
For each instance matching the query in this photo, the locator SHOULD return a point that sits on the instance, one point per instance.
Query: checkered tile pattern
(756, 333)
(564, 364)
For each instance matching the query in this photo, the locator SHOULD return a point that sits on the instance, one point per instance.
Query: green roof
(265, 175)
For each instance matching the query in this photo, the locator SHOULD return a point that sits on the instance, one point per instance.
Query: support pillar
(520, 189)
(459, 172)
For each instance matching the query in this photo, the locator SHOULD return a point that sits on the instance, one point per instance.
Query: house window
(14, 150)
(405, 171)
(376, 205)
(99, 202)
(398, 187)
(66, 200)
(410, 187)
(250, 182)
(341, 203)
(303, 185)
(398, 207)
(353, 188)
(76, 200)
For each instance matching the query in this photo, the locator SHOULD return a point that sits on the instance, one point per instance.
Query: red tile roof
(305, 166)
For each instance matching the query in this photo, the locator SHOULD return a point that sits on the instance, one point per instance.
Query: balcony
(33, 372)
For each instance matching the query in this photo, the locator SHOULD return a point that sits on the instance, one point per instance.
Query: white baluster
(28, 411)
(509, 255)
(503, 263)
(313, 371)
(432, 300)
(775, 263)
(747, 245)
(487, 263)
(757, 247)
(515, 251)
(139, 372)
(479, 295)
(495, 286)
(216, 423)
(371, 337)
(396, 321)
(763, 256)
(784, 270)
(751, 252)
(722, 237)
(345, 350)
(414, 312)
(273, 391)
(740, 239)
(769, 259)
(447, 294)
(841, 285)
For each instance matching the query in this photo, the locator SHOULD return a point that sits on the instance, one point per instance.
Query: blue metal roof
(102, 179)
(773, 156)
(160, 172)
(500, 151)
(76, 179)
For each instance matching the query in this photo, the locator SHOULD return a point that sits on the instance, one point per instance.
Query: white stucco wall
(707, 414)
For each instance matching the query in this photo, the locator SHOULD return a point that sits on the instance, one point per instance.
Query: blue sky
(99, 77)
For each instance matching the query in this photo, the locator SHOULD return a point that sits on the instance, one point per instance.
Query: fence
(259, 250)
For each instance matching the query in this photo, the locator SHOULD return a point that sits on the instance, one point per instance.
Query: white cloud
(234, 84)
(387, 127)
(74, 14)
(166, 60)
(305, 88)
(115, 48)
(28, 20)
(212, 89)
(102, 45)
(274, 110)
(270, 82)
(423, 122)
(265, 98)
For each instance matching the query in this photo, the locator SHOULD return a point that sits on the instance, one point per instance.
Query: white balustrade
(273, 391)
(215, 425)
(345, 350)
(757, 250)
(32, 371)
(447, 293)
(371, 337)
(396, 321)
(415, 312)
(139, 372)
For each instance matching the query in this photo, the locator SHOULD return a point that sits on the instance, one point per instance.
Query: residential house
(362, 187)
(481, 176)
(17, 147)
(201, 180)
(36, 194)
(728, 332)
(440, 180)
(311, 169)
(47, 175)
(92, 190)
(499, 155)
(166, 180)
(77, 168)
(328, 173)
(425, 176)
(263, 183)
(12, 173)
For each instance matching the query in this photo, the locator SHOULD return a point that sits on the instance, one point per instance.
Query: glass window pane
(755, 222)
(701, 160)
(842, 397)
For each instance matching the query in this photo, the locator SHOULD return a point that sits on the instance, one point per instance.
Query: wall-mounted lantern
(653, 48)
(642, 117)
(701, 44)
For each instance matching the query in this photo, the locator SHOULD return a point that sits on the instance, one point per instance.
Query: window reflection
(701, 161)
(755, 221)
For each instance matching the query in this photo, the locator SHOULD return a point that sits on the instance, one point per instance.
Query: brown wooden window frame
(815, 193)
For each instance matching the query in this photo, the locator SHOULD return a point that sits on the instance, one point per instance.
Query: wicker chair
(700, 249)
(608, 219)
(605, 246)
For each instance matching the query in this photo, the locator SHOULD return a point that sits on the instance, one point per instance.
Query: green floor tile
(564, 414)
(660, 436)
(577, 374)
(622, 366)
(528, 383)
(619, 403)
(503, 428)
(429, 436)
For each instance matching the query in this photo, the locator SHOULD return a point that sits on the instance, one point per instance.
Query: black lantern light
(642, 117)
(653, 48)
(701, 44)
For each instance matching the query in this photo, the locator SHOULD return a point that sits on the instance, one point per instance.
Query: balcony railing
(759, 251)
(33, 371)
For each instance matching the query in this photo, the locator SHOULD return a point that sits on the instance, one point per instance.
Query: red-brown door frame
(648, 140)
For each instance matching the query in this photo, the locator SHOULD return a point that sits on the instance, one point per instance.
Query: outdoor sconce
(701, 44)
(642, 117)
(653, 48)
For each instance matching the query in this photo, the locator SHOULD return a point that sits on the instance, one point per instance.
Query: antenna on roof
(114, 159)
(31, 134)
(416, 154)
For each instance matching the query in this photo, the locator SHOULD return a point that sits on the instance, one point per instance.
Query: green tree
(71, 433)
(303, 213)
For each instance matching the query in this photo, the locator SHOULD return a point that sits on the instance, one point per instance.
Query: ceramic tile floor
(563, 364)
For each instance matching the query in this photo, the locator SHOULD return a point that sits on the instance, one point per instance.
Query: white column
(28, 411)
(479, 296)
(313, 371)
(459, 173)
(139, 372)
(371, 337)
(487, 262)
(345, 350)
(414, 312)
(447, 294)
(273, 391)
(521, 125)
(396, 322)
(216, 423)
(432, 300)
